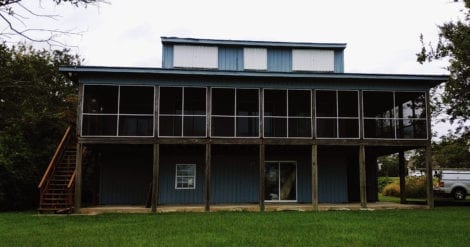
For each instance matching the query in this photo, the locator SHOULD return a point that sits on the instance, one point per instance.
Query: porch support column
(207, 184)
(401, 172)
(78, 179)
(261, 176)
(314, 177)
(429, 191)
(362, 176)
(156, 170)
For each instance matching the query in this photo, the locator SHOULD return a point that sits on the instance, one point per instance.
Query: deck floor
(248, 208)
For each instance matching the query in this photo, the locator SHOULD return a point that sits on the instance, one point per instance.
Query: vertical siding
(339, 61)
(280, 60)
(125, 175)
(167, 59)
(234, 174)
(230, 58)
(332, 180)
(170, 155)
(371, 178)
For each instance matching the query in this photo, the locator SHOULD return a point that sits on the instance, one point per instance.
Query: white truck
(454, 183)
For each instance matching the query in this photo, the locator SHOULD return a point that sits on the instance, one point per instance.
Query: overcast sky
(381, 36)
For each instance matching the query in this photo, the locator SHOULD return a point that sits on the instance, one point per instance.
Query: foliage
(439, 227)
(36, 104)
(454, 44)
(392, 189)
(389, 165)
(450, 152)
(415, 187)
(383, 181)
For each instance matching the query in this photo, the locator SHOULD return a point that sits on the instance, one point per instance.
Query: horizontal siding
(231, 58)
(280, 60)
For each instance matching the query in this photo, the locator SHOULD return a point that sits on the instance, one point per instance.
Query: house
(236, 122)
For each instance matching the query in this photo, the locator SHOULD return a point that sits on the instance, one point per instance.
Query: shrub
(392, 189)
(382, 182)
(415, 187)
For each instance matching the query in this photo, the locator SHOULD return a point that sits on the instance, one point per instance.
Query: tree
(388, 166)
(454, 44)
(36, 104)
(13, 14)
(450, 152)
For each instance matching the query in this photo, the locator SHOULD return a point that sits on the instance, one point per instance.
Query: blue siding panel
(280, 60)
(117, 187)
(167, 56)
(332, 180)
(234, 175)
(339, 61)
(169, 157)
(230, 58)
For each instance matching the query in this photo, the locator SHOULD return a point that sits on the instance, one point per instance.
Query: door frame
(279, 187)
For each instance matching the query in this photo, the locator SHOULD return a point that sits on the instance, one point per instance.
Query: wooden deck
(272, 207)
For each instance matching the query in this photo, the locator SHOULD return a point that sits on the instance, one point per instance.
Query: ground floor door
(280, 181)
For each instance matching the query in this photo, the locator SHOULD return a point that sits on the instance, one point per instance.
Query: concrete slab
(269, 207)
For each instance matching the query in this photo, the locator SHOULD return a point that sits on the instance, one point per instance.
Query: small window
(185, 176)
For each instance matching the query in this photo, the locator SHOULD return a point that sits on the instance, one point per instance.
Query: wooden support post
(401, 172)
(314, 177)
(207, 198)
(78, 179)
(261, 176)
(156, 168)
(362, 176)
(429, 176)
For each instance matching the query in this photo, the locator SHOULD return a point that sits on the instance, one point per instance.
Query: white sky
(381, 36)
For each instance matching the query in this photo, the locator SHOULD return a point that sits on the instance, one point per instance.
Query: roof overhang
(74, 72)
(249, 43)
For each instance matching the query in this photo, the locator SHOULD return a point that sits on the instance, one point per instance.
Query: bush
(392, 189)
(382, 182)
(415, 187)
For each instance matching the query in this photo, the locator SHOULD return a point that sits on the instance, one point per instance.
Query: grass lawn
(438, 227)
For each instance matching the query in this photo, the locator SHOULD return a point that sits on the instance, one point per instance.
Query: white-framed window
(185, 176)
(313, 60)
(255, 58)
(115, 110)
(182, 112)
(394, 114)
(337, 114)
(195, 56)
(235, 112)
(287, 113)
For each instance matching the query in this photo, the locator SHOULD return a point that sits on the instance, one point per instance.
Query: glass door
(280, 181)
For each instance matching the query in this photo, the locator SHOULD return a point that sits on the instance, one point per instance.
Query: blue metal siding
(332, 180)
(125, 176)
(169, 157)
(339, 61)
(230, 58)
(280, 60)
(167, 56)
(234, 175)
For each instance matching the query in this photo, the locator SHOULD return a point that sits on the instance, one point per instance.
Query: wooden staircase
(57, 184)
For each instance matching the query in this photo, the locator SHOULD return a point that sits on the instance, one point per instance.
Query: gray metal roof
(248, 43)
(434, 79)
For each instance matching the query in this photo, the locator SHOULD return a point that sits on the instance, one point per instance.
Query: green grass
(438, 227)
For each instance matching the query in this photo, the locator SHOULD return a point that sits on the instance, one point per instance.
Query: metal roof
(249, 43)
(434, 79)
